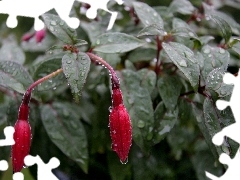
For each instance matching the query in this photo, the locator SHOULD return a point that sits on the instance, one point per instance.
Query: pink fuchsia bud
(21, 148)
(27, 36)
(40, 35)
(120, 131)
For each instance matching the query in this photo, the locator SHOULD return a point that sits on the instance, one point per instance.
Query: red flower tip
(40, 35)
(27, 36)
(21, 148)
(120, 131)
(117, 97)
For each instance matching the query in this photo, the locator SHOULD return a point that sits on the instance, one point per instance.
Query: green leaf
(213, 122)
(60, 29)
(169, 88)
(116, 43)
(116, 169)
(47, 66)
(224, 27)
(14, 76)
(138, 102)
(185, 60)
(66, 131)
(152, 30)
(181, 6)
(164, 122)
(210, 11)
(148, 15)
(205, 39)
(142, 54)
(181, 28)
(215, 82)
(214, 57)
(12, 52)
(148, 79)
(76, 68)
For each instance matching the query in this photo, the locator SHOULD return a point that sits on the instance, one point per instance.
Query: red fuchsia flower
(27, 36)
(40, 35)
(21, 136)
(120, 126)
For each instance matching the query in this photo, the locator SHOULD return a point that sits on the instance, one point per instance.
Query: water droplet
(147, 22)
(125, 161)
(61, 23)
(98, 41)
(182, 63)
(206, 51)
(69, 61)
(51, 28)
(209, 55)
(141, 124)
(221, 51)
(191, 34)
(110, 40)
(54, 23)
(110, 108)
(155, 14)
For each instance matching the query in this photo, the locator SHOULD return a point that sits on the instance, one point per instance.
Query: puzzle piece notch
(18, 176)
(44, 170)
(232, 172)
(62, 7)
(8, 132)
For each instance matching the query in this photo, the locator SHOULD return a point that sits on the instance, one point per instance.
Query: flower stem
(114, 77)
(27, 95)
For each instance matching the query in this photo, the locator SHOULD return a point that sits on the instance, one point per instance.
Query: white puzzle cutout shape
(44, 170)
(8, 141)
(231, 131)
(35, 8)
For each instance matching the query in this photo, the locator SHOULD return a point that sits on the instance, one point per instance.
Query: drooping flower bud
(22, 135)
(120, 126)
(120, 131)
(27, 36)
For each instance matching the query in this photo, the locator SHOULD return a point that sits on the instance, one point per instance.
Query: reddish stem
(114, 77)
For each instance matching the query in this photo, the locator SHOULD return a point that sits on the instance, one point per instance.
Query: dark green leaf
(214, 57)
(169, 88)
(138, 102)
(152, 30)
(148, 15)
(12, 52)
(66, 131)
(14, 76)
(80, 42)
(76, 68)
(181, 28)
(116, 43)
(141, 54)
(181, 6)
(117, 170)
(148, 79)
(164, 122)
(213, 122)
(185, 60)
(60, 29)
(47, 66)
(224, 27)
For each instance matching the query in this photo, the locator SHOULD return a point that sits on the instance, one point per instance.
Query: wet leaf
(76, 68)
(12, 52)
(14, 76)
(185, 60)
(60, 29)
(66, 131)
(181, 6)
(138, 102)
(169, 88)
(148, 15)
(116, 43)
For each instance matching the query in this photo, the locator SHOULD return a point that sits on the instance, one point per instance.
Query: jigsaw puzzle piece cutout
(18, 176)
(44, 170)
(232, 172)
(8, 132)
